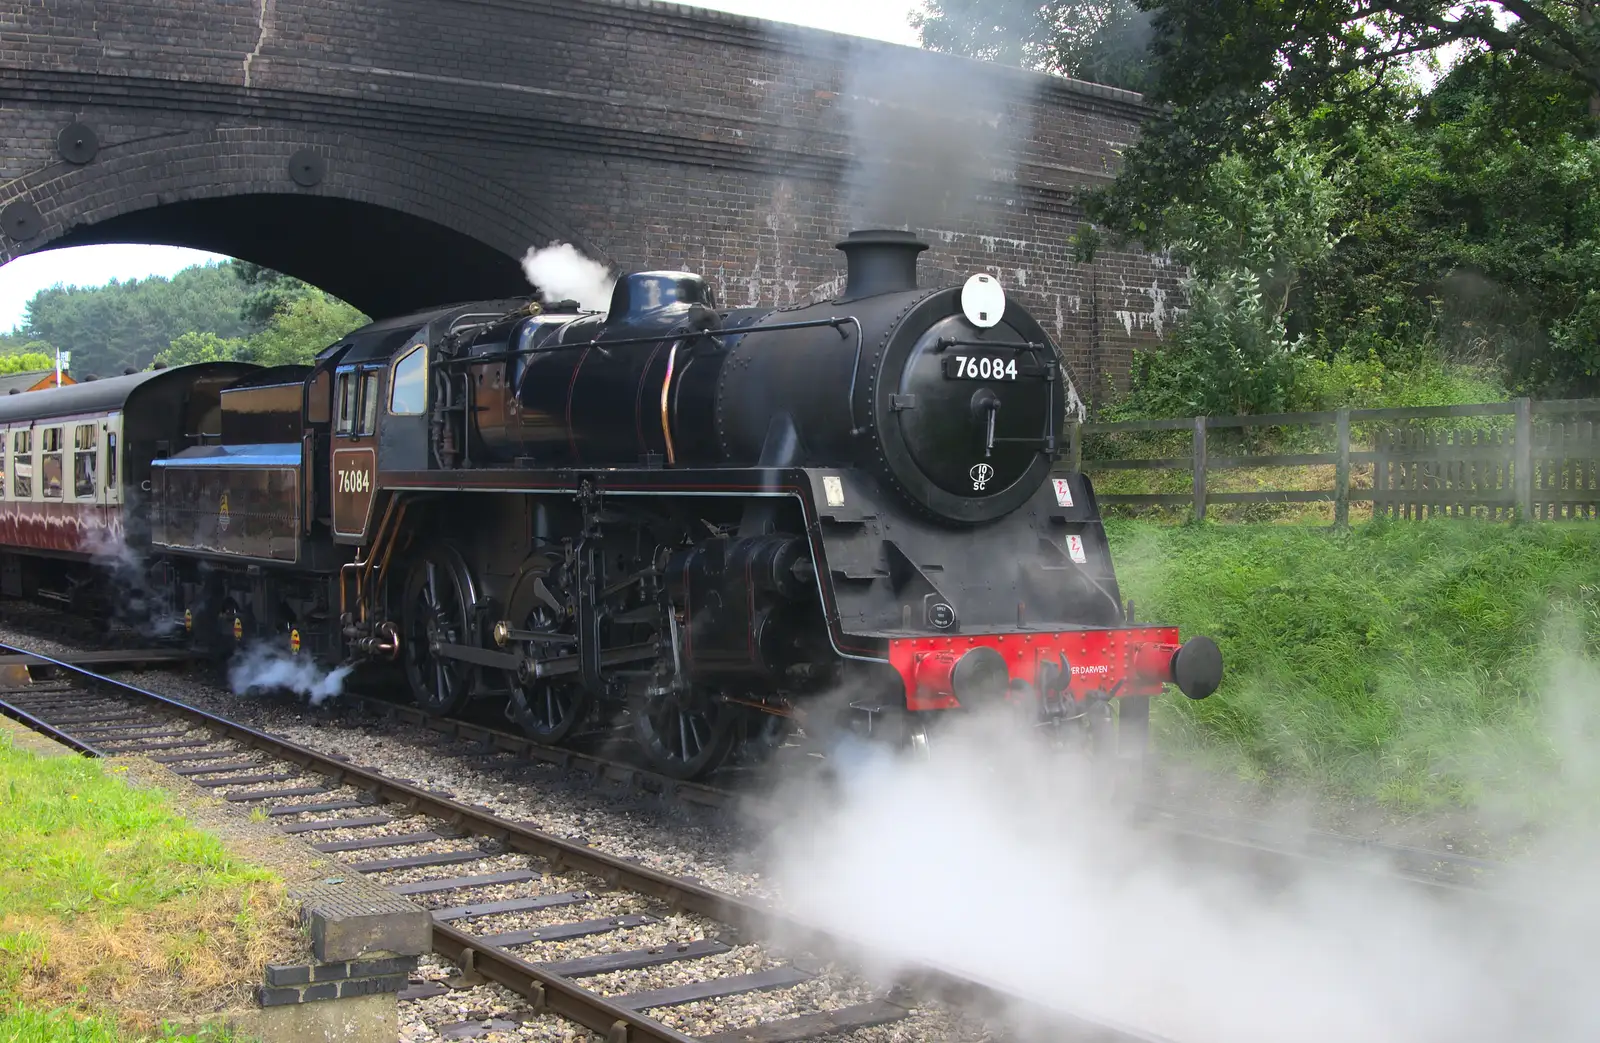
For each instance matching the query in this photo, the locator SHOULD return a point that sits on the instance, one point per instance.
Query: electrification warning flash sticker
(833, 489)
(1075, 550)
(1063, 492)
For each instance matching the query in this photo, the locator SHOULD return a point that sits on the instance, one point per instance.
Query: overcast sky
(97, 265)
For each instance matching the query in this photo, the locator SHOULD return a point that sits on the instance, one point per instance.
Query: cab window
(85, 458)
(408, 388)
(50, 470)
(369, 402)
(22, 464)
(358, 403)
(347, 404)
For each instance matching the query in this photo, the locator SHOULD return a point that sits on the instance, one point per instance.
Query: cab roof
(381, 339)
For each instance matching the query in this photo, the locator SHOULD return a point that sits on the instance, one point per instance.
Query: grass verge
(22, 1025)
(111, 904)
(1418, 665)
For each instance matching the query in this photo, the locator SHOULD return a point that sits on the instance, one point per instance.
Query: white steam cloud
(136, 604)
(266, 668)
(995, 858)
(562, 273)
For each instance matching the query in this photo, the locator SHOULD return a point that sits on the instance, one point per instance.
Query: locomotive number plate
(988, 367)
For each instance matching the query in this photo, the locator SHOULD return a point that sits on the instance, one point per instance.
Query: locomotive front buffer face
(719, 530)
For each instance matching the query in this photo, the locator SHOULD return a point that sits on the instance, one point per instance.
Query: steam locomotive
(708, 525)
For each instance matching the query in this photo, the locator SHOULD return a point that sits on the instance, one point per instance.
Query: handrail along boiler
(711, 523)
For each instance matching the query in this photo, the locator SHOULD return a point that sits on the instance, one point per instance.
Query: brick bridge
(408, 152)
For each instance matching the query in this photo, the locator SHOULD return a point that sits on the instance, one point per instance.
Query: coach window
(22, 464)
(111, 459)
(408, 387)
(50, 472)
(84, 452)
(5, 460)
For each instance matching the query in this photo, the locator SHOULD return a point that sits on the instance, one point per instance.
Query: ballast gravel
(699, 844)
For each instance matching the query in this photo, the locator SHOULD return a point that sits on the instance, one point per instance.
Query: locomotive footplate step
(275, 794)
(557, 932)
(216, 769)
(460, 883)
(363, 844)
(441, 858)
(318, 825)
(248, 780)
(737, 985)
(510, 905)
(809, 1026)
(634, 959)
(317, 809)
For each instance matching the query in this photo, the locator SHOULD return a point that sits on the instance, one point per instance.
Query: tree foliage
(122, 325)
(193, 347)
(303, 326)
(1103, 41)
(233, 310)
(1460, 220)
(27, 362)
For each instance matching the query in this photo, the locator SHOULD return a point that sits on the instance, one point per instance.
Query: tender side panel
(237, 500)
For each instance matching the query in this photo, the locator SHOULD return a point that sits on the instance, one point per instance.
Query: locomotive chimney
(880, 260)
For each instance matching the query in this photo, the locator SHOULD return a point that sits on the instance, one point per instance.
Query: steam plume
(994, 860)
(561, 273)
(265, 668)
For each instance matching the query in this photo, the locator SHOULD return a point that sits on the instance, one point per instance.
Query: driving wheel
(437, 600)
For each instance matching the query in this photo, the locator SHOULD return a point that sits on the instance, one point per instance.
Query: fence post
(1341, 471)
(1074, 446)
(1522, 476)
(1199, 468)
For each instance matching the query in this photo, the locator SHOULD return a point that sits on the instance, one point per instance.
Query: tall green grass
(24, 1025)
(77, 840)
(1418, 665)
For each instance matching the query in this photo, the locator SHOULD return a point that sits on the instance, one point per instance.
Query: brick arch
(387, 228)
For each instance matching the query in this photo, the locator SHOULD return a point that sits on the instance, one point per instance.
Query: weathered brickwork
(649, 135)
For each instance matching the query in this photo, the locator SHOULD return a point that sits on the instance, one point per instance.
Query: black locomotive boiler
(712, 524)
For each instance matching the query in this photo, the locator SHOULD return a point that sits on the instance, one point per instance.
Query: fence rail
(1541, 467)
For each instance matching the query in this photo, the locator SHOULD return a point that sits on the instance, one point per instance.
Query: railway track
(1218, 836)
(493, 867)
(1225, 837)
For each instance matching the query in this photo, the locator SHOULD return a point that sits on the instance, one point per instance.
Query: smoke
(561, 272)
(267, 668)
(997, 858)
(135, 604)
(929, 135)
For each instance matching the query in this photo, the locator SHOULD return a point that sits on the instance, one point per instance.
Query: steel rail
(750, 919)
(1222, 835)
(47, 729)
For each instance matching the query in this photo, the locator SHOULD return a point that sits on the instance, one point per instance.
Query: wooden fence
(1542, 465)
